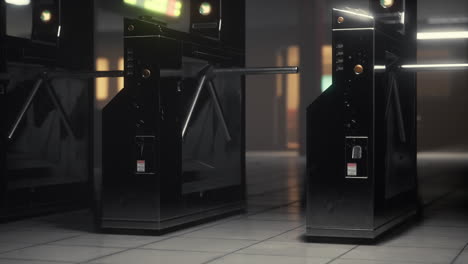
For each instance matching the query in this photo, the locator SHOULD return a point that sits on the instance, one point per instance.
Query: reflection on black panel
(19, 20)
(42, 152)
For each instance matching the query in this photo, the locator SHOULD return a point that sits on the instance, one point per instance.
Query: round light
(387, 3)
(358, 69)
(46, 16)
(205, 9)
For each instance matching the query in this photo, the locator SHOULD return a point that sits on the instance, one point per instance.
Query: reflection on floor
(269, 233)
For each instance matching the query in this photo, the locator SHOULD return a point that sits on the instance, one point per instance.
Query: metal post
(239, 71)
(258, 70)
(84, 75)
(201, 84)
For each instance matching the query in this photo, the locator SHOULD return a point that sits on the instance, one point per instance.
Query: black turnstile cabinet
(362, 177)
(154, 178)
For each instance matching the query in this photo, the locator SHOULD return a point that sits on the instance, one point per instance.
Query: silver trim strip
(353, 13)
(150, 36)
(351, 29)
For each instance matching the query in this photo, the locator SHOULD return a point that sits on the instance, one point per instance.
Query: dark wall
(272, 27)
(442, 96)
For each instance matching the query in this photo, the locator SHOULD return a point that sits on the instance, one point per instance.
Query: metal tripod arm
(206, 76)
(201, 83)
(238, 71)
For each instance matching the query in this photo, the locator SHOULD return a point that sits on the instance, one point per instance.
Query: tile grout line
(39, 244)
(42, 260)
(439, 198)
(261, 241)
(153, 242)
(459, 254)
(342, 254)
(124, 250)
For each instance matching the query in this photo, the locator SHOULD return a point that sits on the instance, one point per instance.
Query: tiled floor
(271, 231)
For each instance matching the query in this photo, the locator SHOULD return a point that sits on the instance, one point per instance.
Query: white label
(352, 169)
(141, 166)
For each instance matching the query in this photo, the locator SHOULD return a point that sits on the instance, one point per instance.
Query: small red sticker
(141, 166)
(352, 169)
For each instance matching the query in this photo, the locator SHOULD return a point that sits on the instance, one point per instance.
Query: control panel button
(358, 69)
(357, 152)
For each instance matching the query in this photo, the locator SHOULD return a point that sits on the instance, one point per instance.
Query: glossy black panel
(362, 133)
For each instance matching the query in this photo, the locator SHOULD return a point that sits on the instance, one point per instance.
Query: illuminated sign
(172, 8)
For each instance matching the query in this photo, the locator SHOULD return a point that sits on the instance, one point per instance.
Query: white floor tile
(223, 233)
(111, 241)
(245, 229)
(59, 253)
(364, 261)
(274, 182)
(203, 226)
(4, 247)
(36, 236)
(259, 224)
(257, 259)
(146, 256)
(425, 255)
(297, 249)
(201, 244)
(433, 231)
(463, 258)
(404, 240)
(445, 219)
(296, 235)
(15, 261)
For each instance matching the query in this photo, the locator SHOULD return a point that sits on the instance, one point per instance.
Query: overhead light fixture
(443, 35)
(387, 3)
(18, 2)
(205, 9)
(46, 16)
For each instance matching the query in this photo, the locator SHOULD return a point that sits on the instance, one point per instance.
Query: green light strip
(172, 8)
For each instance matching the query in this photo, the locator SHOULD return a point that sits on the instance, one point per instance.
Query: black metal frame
(360, 196)
(2, 103)
(170, 191)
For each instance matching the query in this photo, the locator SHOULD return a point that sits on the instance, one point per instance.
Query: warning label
(141, 166)
(352, 169)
